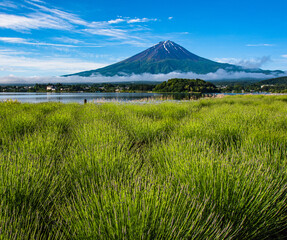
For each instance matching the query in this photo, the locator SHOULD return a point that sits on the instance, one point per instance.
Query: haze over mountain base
(218, 75)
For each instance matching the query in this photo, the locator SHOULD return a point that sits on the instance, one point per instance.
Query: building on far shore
(51, 88)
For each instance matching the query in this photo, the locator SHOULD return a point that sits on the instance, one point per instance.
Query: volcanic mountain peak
(166, 57)
(164, 50)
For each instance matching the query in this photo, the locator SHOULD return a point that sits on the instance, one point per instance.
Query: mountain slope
(274, 81)
(166, 57)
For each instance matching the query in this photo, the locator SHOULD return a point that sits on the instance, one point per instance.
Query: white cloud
(105, 28)
(284, 56)
(68, 40)
(35, 43)
(28, 42)
(38, 1)
(133, 20)
(8, 4)
(170, 18)
(8, 51)
(71, 18)
(32, 21)
(43, 17)
(18, 62)
(260, 45)
(135, 42)
(12, 40)
(110, 32)
(141, 20)
(219, 75)
(115, 21)
(246, 63)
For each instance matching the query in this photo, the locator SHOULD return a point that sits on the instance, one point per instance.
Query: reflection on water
(95, 97)
(75, 97)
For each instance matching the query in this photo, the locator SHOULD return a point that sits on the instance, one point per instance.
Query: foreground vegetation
(207, 169)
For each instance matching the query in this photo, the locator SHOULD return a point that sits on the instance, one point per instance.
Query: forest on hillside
(186, 85)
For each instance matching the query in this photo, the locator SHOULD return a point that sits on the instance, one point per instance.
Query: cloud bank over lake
(218, 75)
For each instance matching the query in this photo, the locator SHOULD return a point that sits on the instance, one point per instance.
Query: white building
(51, 88)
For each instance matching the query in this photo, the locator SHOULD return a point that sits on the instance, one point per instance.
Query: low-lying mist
(218, 75)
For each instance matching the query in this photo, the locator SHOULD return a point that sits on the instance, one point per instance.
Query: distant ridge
(166, 57)
(275, 81)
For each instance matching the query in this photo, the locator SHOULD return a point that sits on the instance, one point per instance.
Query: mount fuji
(166, 57)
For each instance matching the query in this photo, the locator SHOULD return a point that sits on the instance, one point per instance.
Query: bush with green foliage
(186, 85)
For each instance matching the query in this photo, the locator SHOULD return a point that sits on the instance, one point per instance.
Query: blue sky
(50, 38)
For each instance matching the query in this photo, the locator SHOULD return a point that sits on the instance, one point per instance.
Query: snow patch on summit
(165, 46)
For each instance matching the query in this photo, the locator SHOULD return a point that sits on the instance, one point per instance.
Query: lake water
(96, 97)
(76, 97)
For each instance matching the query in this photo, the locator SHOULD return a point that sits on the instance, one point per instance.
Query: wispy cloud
(42, 16)
(8, 4)
(122, 32)
(260, 45)
(142, 20)
(115, 21)
(135, 42)
(170, 18)
(38, 1)
(70, 17)
(36, 43)
(32, 21)
(246, 63)
(284, 56)
(12, 40)
(28, 42)
(20, 63)
(132, 20)
(7, 51)
(219, 75)
(68, 40)
(110, 32)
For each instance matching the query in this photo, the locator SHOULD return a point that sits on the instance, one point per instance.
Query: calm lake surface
(76, 97)
(94, 97)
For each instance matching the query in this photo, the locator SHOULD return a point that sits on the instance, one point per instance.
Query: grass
(207, 169)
